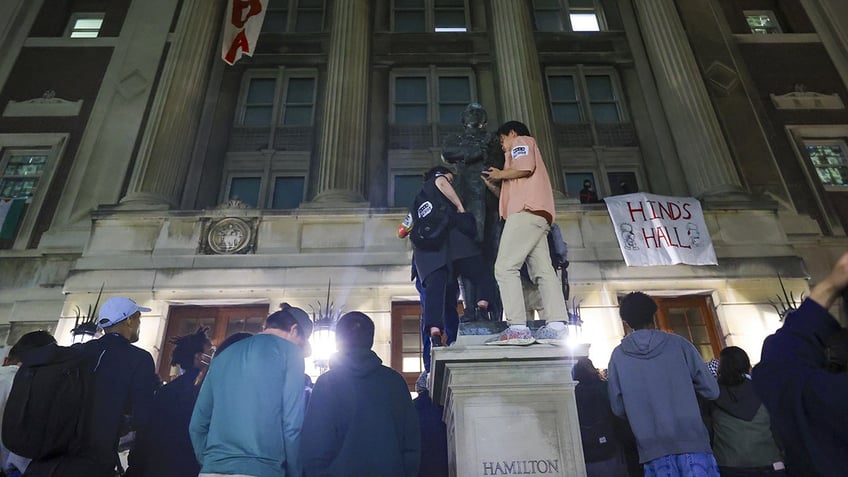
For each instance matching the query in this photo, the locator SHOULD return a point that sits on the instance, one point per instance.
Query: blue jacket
(808, 405)
(653, 378)
(249, 413)
(361, 421)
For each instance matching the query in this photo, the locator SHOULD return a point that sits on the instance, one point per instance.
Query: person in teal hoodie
(249, 414)
(653, 379)
(360, 420)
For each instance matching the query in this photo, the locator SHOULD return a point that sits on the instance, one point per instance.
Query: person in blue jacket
(249, 413)
(360, 420)
(808, 404)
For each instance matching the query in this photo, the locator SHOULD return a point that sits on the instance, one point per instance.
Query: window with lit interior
(762, 22)
(84, 25)
(410, 16)
(568, 15)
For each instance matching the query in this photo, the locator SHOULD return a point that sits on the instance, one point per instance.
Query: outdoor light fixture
(324, 333)
(574, 325)
(85, 326)
(787, 302)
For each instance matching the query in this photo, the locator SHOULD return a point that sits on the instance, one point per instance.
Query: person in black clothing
(360, 420)
(587, 193)
(458, 255)
(164, 448)
(122, 397)
(601, 447)
(806, 402)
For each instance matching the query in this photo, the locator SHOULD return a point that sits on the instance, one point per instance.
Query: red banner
(242, 25)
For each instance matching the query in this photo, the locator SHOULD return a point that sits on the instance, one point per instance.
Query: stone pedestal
(509, 409)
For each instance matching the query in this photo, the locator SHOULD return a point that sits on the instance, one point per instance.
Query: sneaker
(482, 314)
(436, 340)
(421, 382)
(554, 330)
(515, 332)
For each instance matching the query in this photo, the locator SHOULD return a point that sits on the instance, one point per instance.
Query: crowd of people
(247, 411)
(664, 412)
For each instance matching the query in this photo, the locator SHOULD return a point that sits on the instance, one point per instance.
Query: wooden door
(406, 344)
(222, 322)
(691, 317)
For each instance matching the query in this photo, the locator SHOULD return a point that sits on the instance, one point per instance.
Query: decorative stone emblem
(803, 99)
(229, 236)
(47, 105)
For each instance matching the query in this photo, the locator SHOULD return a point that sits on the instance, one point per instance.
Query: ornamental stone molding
(47, 105)
(801, 99)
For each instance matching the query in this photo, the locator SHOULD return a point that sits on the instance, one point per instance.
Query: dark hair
(29, 342)
(836, 349)
(187, 346)
(289, 316)
(436, 171)
(231, 340)
(355, 330)
(733, 365)
(519, 128)
(585, 372)
(637, 310)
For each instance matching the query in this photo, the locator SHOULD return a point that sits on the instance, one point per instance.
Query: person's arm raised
(446, 189)
(827, 290)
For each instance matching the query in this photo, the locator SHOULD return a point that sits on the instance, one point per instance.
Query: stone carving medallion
(229, 236)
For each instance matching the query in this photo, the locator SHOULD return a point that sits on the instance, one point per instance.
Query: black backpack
(430, 221)
(48, 407)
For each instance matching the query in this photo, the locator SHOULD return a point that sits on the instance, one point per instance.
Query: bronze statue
(470, 153)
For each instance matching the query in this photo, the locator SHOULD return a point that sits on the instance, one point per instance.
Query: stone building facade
(124, 139)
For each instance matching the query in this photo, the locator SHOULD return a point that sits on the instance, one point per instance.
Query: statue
(470, 153)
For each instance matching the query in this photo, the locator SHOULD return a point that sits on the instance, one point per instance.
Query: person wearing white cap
(121, 398)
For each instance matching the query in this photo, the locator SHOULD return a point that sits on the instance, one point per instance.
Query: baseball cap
(303, 321)
(116, 310)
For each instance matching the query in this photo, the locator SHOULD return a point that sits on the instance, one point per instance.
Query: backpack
(558, 248)
(430, 222)
(48, 406)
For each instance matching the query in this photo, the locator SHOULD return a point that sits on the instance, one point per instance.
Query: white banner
(242, 25)
(660, 230)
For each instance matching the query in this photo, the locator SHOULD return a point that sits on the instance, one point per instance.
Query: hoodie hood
(739, 401)
(644, 344)
(358, 362)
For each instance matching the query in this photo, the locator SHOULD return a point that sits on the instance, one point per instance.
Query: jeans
(696, 464)
(451, 317)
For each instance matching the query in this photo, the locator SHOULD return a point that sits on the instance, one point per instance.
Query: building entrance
(693, 318)
(222, 321)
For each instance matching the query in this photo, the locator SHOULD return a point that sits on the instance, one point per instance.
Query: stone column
(522, 94)
(830, 19)
(341, 170)
(165, 153)
(704, 154)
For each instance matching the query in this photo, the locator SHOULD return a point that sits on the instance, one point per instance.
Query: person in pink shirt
(527, 206)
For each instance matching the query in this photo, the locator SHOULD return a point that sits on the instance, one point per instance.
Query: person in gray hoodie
(653, 380)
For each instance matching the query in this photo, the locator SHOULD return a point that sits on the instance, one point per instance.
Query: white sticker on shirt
(519, 151)
(603, 440)
(424, 209)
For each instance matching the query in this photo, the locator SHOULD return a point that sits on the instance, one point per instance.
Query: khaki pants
(525, 238)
